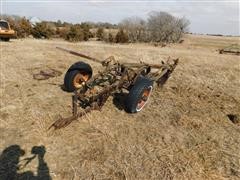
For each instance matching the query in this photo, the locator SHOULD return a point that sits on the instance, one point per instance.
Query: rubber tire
(135, 93)
(6, 39)
(73, 71)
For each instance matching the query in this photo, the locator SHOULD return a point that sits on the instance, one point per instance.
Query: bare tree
(135, 27)
(163, 27)
(160, 27)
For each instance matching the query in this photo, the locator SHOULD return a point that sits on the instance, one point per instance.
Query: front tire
(138, 95)
(77, 75)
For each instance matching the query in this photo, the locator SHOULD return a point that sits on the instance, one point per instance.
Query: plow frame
(116, 77)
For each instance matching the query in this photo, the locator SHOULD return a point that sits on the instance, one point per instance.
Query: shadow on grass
(10, 164)
(119, 100)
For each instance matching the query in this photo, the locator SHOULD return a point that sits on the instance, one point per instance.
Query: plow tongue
(64, 122)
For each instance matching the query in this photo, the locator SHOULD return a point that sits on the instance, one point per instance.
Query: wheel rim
(144, 99)
(80, 79)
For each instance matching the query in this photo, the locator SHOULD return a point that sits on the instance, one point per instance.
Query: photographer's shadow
(10, 164)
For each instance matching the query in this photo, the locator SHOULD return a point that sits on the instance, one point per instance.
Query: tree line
(160, 27)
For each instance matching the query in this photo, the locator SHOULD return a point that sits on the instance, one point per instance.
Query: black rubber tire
(6, 39)
(73, 71)
(136, 92)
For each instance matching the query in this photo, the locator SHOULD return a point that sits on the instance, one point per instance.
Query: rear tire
(77, 74)
(138, 95)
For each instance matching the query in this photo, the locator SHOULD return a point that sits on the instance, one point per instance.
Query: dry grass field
(190, 129)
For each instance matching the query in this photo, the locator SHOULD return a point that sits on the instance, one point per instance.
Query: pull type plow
(92, 92)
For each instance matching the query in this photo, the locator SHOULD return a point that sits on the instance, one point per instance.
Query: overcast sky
(216, 17)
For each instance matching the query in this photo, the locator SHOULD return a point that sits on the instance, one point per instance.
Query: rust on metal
(80, 55)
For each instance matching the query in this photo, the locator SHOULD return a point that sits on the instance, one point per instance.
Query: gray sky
(216, 17)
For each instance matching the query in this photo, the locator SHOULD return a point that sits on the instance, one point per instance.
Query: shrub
(41, 30)
(110, 38)
(86, 31)
(75, 34)
(61, 32)
(22, 26)
(121, 37)
(100, 33)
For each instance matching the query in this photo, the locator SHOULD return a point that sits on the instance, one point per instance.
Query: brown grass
(183, 133)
